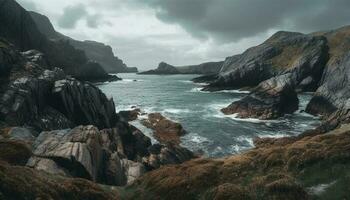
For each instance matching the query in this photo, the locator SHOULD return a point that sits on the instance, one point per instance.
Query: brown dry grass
(267, 172)
(18, 183)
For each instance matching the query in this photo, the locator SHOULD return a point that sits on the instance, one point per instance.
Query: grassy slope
(284, 169)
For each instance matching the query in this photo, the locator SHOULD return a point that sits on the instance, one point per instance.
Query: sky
(181, 32)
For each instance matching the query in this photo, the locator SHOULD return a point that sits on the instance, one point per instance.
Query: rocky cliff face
(95, 51)
(283, 53)
(285, 63)
(19, 28)
(333, 93)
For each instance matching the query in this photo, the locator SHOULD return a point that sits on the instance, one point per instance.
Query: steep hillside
(19, 28)
(95, 51)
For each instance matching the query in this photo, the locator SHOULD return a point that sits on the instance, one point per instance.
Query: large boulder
(271, 99)
(165, 130)
(284, 52)
(78, 150)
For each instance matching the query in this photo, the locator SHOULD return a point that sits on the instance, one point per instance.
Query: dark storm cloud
(235, 19)
(72, 15)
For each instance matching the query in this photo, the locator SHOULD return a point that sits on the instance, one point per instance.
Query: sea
(209, 131)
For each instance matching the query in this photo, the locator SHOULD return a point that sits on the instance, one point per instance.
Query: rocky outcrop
(48, 100)
(163, 69)
(115, 156)
(271, 99)
(83, 103)
(204, 68)
(333, 93)
(19, 28)
(95, 51)
(130, 115)
(284, 169)
(165, 130)
(285, 52)
(285, 63)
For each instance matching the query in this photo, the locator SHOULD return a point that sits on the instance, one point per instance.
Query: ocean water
(209, 131)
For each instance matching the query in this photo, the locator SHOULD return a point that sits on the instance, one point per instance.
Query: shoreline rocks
(165, 130)
(270, 100)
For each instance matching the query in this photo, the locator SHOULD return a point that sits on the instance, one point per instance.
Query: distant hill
(204, 68)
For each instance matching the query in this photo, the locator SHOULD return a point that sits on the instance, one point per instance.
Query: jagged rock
(36, 57)
(271, 99)
(165, 130)
(130, 115)
(334, 93)
(166, 154)
(83, 103)
(19, 28)
(25, 102)
(285, 52)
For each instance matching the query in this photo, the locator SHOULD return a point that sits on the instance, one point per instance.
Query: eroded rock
(165, 130)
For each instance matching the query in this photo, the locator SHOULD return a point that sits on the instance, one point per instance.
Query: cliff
(19, 28)
(95, 51)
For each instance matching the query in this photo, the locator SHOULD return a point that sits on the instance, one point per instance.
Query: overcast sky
(181, 32)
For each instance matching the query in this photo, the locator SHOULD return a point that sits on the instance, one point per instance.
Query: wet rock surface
(165, 130)
(270, 100)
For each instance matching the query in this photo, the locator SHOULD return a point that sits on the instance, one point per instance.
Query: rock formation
(333, 93)
(285, 63)
(163, 69)
(165, 130)
(300, 55)
(204, 68)
(19, 28)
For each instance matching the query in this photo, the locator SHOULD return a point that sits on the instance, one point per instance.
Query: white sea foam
(176, 111)
(319, 189)
(194, 138)
(198, 89)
